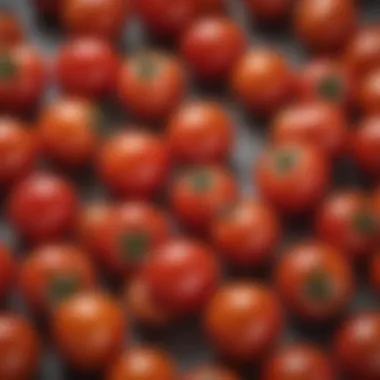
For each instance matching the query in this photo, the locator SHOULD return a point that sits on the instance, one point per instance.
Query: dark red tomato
(191, 266)
(263, 81)
(211, 7)
(357, 346)
(298, 362)
(314, 123)
(7, 270)
(52, 273)
(369, 93)
(18, 151)
(270, 11)
(134, 164)
(43, 207)
(348, 221)
(201, 133)
(233, 238)
(292, 177)
(151, 85)
(375, 272)
(325, 24)
(69, 131)
(89, 330)
(22, 78)
(244, 321)
(315, 281)
(212, 46)
(19, 347)
(200, 193)
(11, 31)
(211, 372)
(87, 67)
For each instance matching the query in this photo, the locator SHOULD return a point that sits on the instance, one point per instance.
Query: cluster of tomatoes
(169, 275)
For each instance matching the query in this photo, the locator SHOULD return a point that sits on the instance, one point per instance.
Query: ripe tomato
(11, 31)
(134, 164)
(263, 81)
(375, 272)
(233, 237)
(314, 123)
(201, 133)
(48, 7)
(200, 193)
(357, 346)
(87, 67)
(151, 85)
(292, 177)
(244, 321)
(43, 207)
(18, 151)
(270, 11)
(369, 92)
(315, 281)
(211, 372)
(211, 7)
(19, 347)
(7, 270)
(212, 46)
(325, 24)
(89, 330)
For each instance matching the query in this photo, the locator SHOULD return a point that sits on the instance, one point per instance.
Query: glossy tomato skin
(270, 11)
(211, 7)
(43, 207)
(201, 133)
(212, 46)
(87, 67)
(7, 270)
(244, 321)
(211, 372)
(375, 272)
(11, 31)
(315, 281)
(369, 93)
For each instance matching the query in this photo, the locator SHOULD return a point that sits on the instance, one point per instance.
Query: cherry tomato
(43, 207)
(233, 237)
(200, 193)
(375, 272)
(11, 31)
(244, 321)
(151, 85)
(89, 330)
(49, 7)
(19, 347)
(87, 67)
(292, 177)
(357, 346)
(270, 11)
(211, 372)
(263, 81)
(325, 24)
(7, 270)
(212, 46)
(211, 7)
(201, 133)
(369, 93)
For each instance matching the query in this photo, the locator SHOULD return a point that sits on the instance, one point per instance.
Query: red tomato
(369, 93)
(212, 46)
(87, 67)
(211, 7)
(244, 321)
(270, 11)
(191, 266)
(200, 193)
(151, 85)
(211, 372)
(292, 177)
(49, 7)
(19, 347)
(375, 272)
(263, 81)
(43, 207)
(201, 133)
(233, 237)
(358, 346)
(7, 270)
(314, 123)
(11, 31)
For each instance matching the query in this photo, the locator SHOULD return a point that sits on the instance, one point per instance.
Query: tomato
(292, 177)
(232, 234)
(314, 123)
(19, 347)
(357, 346)
(244, 321)
(211, 372)
(43, 207)
(52, 273)
(69, 131)
(191, 266)
(325, 24)
(7, 270)
(270, 11)
(347, 220)
(151, 85)
(143, 363)
(201, 133)
(48, 7)
(263, 81)
(22, 78)
(200, 193)
(87, 67)
(89, 330)
(212, 46)
(211, 7)
(11, 31)
(375, 272)
(299, 362)
(369, 93)
(18, 151)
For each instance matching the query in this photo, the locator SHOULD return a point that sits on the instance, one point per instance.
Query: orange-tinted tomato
(211, 372)
(270, 11)
(7, 270)
(369, 93)
(375, 272)
(11, 31)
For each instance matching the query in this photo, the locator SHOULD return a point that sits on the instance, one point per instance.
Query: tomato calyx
(318, 287)
(330, 88)
(63, 287)
(146, 66)
(201, 181)
(285, 161)
(134, 246)
(8, 68)
(365, 223)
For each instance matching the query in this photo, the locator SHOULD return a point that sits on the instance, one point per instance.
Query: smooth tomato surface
(11, 31)
(369, 93)
(270, 11)
(7, 270)
(211, 371)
